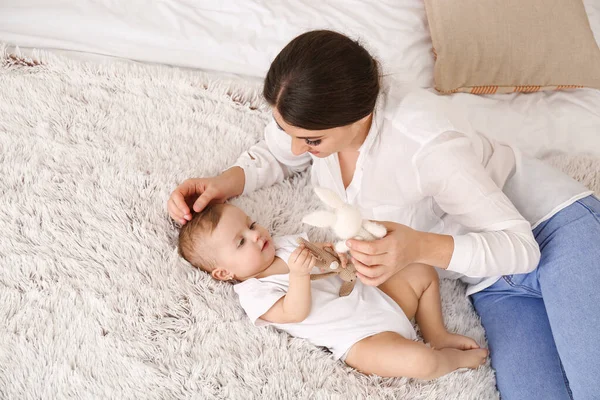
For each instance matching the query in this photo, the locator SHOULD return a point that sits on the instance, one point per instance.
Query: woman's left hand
(378, 260)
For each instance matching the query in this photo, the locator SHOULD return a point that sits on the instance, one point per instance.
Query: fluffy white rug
(94, 301)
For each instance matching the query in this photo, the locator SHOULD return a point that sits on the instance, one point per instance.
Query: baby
(369, 329)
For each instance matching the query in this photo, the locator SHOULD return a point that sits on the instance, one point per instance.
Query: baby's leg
(389, 354)
(416, 289)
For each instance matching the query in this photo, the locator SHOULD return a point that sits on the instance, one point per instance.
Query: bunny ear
(321, 219)
(329, 197)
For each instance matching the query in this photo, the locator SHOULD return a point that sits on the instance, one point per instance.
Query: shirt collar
(376, 124)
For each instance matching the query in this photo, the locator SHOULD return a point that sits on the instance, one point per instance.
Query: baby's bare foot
(453, 341)
(473, 358)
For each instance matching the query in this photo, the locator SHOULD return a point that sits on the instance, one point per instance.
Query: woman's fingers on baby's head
(172, 209)
(178, 200)
(175, 213)
(201, 202)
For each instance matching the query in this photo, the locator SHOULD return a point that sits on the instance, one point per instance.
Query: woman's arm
(264, 164)
(500, 241)
(271, 160)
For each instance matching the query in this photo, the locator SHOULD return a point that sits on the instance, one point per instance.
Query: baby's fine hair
(193, 234)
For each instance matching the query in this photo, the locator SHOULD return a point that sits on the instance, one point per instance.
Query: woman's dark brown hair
(321, 80)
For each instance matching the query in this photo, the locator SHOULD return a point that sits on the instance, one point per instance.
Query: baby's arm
(294, 307)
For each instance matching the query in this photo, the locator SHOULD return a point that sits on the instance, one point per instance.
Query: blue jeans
(543, 328)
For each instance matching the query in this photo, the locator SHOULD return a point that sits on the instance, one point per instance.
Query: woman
(455, 200)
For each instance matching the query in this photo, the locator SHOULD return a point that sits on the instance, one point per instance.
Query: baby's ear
(321, 219)
(221, 274)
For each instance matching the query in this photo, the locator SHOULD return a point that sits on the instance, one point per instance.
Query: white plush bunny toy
(345, 220)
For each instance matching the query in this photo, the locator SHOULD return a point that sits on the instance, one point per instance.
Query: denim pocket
(526, 282)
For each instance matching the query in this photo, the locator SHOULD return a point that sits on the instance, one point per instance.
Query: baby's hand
(301, 262)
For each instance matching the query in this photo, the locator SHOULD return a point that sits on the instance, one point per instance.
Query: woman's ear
(221, 274)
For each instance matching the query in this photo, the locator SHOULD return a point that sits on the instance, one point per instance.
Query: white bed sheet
(242, 37)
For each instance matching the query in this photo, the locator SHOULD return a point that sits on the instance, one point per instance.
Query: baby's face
(241, 246)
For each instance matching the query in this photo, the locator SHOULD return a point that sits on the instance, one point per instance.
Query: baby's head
(223, 241)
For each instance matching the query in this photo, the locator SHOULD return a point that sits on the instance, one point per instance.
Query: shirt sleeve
(271, 160)
(257, 297)
(500, 241)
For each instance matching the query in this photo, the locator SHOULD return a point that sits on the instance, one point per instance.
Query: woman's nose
(299, 147)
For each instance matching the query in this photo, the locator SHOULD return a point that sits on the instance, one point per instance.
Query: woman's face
(323, 143)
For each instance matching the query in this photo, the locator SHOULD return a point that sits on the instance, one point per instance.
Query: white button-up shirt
(424, 166)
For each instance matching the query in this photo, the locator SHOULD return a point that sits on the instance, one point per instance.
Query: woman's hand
(378, 260)
(197, 193)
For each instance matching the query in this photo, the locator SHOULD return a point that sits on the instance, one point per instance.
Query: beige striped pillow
(507, 46)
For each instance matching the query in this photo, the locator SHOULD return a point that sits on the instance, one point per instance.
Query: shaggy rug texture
(94, 300)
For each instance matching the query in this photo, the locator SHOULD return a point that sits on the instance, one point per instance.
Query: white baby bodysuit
(334, 322)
